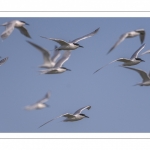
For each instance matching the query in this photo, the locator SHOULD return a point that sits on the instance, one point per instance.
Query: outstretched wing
(45, 52)
(85, 36)
(122, 38)
(24, 31)
(148, 51)
(31, 107)
(81, 109)
(56, 54)
(64, 115)
(8, 30)
(142, 73)
(120, 59)
(45, 99)
(142, 34)
(61, 42)
(64, 58)
(135, 55)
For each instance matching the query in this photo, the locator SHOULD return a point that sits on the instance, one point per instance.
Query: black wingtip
(109, 51)
(28, 41)
(97, 30)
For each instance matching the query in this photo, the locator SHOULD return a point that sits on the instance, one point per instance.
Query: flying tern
(39, 104)
(138, 32)
(71, 117)
(58, 66)
(145, 76)
(15, 24)
(49, 61)
(2, 61)
(134, 60)
(73, 44)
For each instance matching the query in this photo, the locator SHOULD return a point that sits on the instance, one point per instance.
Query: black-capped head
(84, 115)
(77, 45)
(24, 22)
(66, 68)
(140, 59)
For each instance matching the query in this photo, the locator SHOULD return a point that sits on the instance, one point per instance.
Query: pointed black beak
(87, 117)
(47, 105)
(81, 46)
(27, 24)
(68, 69)
(142, 60)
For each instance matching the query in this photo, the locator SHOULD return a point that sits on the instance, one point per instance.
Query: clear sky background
(116, 105)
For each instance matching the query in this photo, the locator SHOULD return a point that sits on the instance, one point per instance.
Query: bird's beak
(47, 105)
(68, 69)
(87, 117)
(143, 60)
(27, 24)
(81, 46)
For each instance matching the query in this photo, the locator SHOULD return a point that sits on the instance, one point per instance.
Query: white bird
(134, 60)
(15, 24)
(48, 60)
(72, 117)
(138, 32)
(145, 76)
(58, 66)
(2, 61)
(73, 44)
(39, 104)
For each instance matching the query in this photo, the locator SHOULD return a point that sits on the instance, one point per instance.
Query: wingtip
(28, 41)
(95, 72)
(109, 51)
(42, 37)
(89, 107)
(39, 127)
(97, 29)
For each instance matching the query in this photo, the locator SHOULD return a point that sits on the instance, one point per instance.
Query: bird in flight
(73, 44)
(14, 24)
(138, 32)
(39, 104)
(72, 117)
(134, 60)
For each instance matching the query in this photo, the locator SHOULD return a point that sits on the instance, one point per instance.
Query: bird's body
(144, 76)
(73, 44)
(72, 117)
(14, 24)
(129, 62)
(138, 32)
(134, 60)
(54, 70)
(39, 104)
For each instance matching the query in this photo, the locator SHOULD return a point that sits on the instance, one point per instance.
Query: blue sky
(116, 105)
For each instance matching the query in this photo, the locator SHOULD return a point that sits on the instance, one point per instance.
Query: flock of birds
(54, 66)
